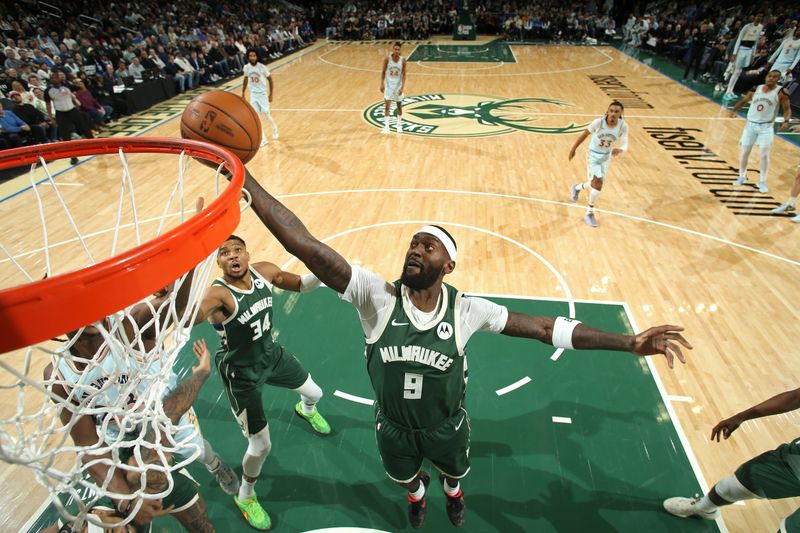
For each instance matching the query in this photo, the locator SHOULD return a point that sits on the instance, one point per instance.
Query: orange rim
(40, 310)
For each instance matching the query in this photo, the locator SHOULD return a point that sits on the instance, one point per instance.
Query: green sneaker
(255, 515)
(318, 424)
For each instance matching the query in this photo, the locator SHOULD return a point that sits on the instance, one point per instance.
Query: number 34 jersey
(246, 335)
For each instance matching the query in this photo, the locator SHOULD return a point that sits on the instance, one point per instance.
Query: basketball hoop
(131, 372)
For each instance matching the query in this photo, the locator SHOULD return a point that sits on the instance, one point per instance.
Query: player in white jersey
(257, 77)
(791, 204)
(743, 51)
(764, 101)
(605, 132)
(787, 56)
(393, 81)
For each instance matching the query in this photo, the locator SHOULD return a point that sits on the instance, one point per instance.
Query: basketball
(225, 119)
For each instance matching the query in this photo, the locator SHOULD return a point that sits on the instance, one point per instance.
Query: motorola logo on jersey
(444, 330)
(476, 115)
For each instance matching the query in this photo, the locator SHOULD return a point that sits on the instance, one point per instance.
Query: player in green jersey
(239, 305)
(773, 475)
(416, 330)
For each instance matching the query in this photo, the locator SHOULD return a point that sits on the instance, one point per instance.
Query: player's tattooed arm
(184, 394)
(330, 267)
(665, 340)
(195, 518)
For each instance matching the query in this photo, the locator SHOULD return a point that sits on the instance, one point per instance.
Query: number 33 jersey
(605, 137)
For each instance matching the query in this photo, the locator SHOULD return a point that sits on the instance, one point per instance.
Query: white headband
(447, 241)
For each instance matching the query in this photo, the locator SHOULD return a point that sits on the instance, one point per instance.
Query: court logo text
(476, 115)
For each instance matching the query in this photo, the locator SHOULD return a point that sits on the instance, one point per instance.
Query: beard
(421, 280)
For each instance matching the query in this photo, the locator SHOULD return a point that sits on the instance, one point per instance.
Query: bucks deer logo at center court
(475, 115)
(208, 119)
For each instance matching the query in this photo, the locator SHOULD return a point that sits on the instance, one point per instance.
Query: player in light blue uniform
(257, 77)
(605, 132)
(787, 56)
(761, 115)
(393, 82)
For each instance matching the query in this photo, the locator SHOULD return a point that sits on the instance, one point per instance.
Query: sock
(764, 163)
(734, 78)
(418, 494)
(308, 408)
(744, 155)
(792, 201)
(246, 489)
(706, 505)
(584, 186)
(593, 195)
(213, 465)
(452, 492)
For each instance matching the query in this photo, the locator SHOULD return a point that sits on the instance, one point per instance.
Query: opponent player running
(416, 331)
(605, 132)
(764, 101)
(773, 475)
(257, 76)
(239, 305)
(393, 81)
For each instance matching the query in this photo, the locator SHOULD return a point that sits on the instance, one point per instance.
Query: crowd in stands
(702, 37)
(62, 68)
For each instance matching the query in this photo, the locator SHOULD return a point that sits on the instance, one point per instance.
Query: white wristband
(309, 282)
(562, 332)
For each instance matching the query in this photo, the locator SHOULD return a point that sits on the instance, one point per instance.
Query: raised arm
(565, 333)
(287, 280)
(330, 267)
(782, 403)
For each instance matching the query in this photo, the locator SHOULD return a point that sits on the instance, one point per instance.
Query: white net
(84, 412)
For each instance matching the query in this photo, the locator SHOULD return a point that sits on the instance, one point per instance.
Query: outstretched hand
(664, 340)
(200, 349)
(726, 428)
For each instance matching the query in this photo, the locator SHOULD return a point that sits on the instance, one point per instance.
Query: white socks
(246, 489)
(705, 504)
(594, 194)
(744, 155)
(734, 78)
(451, 491)
(419, 493)
(764, 163)
(792, 201)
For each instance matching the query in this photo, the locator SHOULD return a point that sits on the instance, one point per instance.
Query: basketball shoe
(574, 191)
(315, 420)
(686, 507)
(225, 476)
(455, 505)
(590, 219)
(784, 208)
(418, 509)
(252, 511)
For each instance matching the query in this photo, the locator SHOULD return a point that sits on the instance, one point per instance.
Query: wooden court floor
(677, 242)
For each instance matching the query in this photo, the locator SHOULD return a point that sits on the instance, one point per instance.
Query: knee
(597, 183)
(259, 445)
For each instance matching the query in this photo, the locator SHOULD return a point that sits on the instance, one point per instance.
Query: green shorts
(791, 524)
(403, 450)
(773, 474)
(243, 386)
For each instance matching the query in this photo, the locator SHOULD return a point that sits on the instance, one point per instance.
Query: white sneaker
(385, 130)
(795, 218)
(574, 192)
(740, 181)
(762, 187)
(590, 219)
(399, 127)
(686, 507)
(226, 477)
(263, 141)
(785, 208)
(274, 135)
